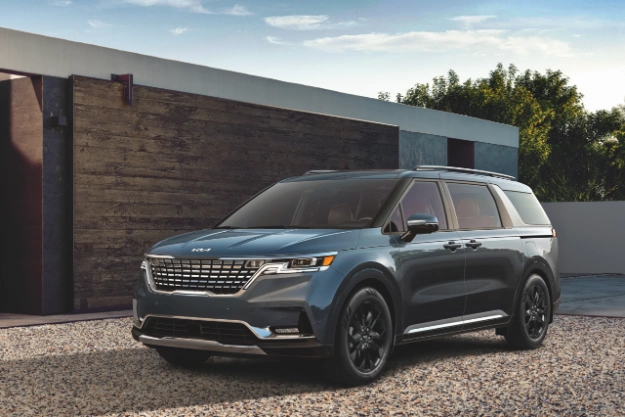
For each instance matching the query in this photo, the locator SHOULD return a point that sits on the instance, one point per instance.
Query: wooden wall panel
(176, 162)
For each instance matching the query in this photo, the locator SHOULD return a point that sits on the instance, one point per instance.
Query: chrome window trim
(280, 268)
(261, 333)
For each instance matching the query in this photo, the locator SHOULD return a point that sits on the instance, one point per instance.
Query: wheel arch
(370, 274)
(536, 265)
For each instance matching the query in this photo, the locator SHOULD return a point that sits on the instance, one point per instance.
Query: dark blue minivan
(345, 265)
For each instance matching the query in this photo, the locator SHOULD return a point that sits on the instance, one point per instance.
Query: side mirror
(419, 224)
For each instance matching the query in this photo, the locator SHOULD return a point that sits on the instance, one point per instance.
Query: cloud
(305, 22)
(238, 10)
(465, 41)
(274, 40)
(178, 31)
(191, 5)
(61, 3)
(471, 20)
(97, 24)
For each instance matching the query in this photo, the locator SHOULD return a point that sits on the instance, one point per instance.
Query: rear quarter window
(528, 207)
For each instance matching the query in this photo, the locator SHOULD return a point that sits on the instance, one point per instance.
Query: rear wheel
(531, 321)
(183, 357)
(363, 339)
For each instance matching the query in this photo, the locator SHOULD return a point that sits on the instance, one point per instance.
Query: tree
(565, 153)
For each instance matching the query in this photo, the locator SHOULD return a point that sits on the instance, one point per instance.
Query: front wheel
(531, 320)
(183, 357)
(363, 339)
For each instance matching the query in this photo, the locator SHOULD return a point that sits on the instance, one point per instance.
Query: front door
(431, 266)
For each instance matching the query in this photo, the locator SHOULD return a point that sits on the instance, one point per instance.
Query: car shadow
(138, 380)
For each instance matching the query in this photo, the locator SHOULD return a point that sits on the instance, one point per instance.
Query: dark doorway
(460, 153)
(21, 154)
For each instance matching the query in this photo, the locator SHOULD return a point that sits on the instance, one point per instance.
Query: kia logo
(200, 250)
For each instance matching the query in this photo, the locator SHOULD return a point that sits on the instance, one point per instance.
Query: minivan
(345, 265)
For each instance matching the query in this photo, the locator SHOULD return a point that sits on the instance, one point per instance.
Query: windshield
(321, 204)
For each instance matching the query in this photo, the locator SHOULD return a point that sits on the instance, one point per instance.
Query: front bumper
(272, 302)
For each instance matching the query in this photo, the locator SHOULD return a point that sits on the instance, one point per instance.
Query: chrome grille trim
(218, 277)
(272, 266)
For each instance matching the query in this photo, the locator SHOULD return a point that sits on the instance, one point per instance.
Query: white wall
(591, 236)
(42, 55)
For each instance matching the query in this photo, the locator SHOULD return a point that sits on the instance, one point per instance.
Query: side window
(475, 206)
(528, 207)
(396, 223)
(424, 197)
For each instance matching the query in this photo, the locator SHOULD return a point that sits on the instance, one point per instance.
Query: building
(96, 168)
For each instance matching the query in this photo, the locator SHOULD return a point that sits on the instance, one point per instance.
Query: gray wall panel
(497, 158)
(421, 149)
(591, 236)
(57, 204)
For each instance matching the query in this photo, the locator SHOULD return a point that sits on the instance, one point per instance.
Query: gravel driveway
(95, 368)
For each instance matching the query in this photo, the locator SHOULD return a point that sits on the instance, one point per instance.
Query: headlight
(311, 262)
(290, 266)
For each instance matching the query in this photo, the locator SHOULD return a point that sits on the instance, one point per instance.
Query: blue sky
(358, 47)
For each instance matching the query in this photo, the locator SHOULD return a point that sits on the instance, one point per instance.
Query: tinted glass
(475, 206)
(321, 204)
(528, 207)
(424, 197)
(396, 223)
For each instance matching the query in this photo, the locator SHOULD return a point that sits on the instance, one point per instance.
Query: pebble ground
(96, 368)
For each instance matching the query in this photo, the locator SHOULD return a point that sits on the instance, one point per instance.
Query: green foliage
(565, 152)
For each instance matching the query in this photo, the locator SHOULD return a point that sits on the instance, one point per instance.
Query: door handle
(452, 246)
(474, 244)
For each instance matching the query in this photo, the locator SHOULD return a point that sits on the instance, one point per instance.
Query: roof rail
(320, 171)
(464, 170)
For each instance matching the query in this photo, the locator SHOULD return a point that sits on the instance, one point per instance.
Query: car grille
(216, 276)
(222, 332)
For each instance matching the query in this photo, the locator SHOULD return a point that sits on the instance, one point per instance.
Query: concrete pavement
(593, 296)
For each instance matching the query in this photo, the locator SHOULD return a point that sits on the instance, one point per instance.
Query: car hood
(256, 242)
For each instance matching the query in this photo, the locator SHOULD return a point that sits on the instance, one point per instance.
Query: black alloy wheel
(530, 323)
(366, 330)
(364, 339)
(534, 302)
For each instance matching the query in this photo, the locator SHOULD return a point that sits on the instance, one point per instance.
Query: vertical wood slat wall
(175, 162)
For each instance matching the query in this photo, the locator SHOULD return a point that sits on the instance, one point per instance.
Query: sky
(358, 47)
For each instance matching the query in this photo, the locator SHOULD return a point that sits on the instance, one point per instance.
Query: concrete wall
(591, 236)
(497, 158)
(35, 54)
(57, 198)
(421, 149)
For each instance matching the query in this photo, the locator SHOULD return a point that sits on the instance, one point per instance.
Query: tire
(363, 341)
(531, 320)
(183, 357)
